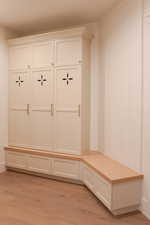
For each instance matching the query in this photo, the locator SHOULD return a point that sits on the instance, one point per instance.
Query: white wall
(4, 35)
(146, 110)
(97, 90)
(121, 33)
(126, 103)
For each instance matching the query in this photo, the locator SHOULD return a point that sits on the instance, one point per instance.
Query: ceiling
(33, 16)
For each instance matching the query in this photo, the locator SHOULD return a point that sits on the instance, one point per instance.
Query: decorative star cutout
(67, 79)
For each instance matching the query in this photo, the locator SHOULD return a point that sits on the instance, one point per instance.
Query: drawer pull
(52, 109)
(28, 109)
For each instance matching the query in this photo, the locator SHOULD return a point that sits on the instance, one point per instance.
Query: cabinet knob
(52, 64)
(29, 67)
(80, 61)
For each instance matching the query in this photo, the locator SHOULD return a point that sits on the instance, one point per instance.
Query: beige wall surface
(146, 109)
(4, 35)
(126, 103)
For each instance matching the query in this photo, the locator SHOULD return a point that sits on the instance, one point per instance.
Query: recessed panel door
(19, 120)
(42, 109)
(20, 57)
(67, 110)
(68, 52)
(42, 54)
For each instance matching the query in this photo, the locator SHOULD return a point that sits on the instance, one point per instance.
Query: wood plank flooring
(31, 200)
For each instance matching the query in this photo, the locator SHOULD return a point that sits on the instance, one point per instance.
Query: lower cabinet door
(103, 190)
(16, 160)
(88, 178)
(99, 186)
(66, 168)
(39, 164)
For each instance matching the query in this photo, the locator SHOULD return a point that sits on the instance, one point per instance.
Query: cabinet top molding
(67, 33)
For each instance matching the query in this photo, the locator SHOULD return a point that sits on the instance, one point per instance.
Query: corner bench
(115, 185)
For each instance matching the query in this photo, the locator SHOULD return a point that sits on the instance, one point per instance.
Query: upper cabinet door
(68, 52)
(20, 57)
(42, 54)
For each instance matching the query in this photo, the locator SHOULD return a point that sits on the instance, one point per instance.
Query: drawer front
(39, 164)
(16, 160)
(103, 190)
(66, 168)
(88, 177)
(126, 194)
(99, 186)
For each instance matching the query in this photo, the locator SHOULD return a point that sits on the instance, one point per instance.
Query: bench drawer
(88, 177)
(39, 164)
(103, 190)
(99, 186)
(66, 168)
(16, 160)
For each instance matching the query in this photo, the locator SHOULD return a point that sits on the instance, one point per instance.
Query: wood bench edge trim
(73, 157)
(114, 181)
(44, 154)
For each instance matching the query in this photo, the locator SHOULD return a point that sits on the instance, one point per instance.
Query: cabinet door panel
(88, 178)
(20, 57)
(67, 118)
(16, 160)
(68, 87)
(65, 168)
(67, 133)
(103, 190)
(19, 89)
(39, 164)
(42, 54)
(19, 134)
(67, 52)
(41, 116)
(19, 120)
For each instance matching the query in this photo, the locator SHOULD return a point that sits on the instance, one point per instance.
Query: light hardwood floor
(31, 200)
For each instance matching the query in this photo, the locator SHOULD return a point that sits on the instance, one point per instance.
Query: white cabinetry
(68, 109)
(66, 168)
(99, 186)
(16, 160)
(20, 57)
(39, 164)
(68, 52)
(42, 54)
(57, 167)
(119, 196)
(49, 85)
(19, 120)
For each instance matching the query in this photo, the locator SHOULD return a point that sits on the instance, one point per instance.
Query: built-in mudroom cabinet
(49, 91)
(49, 114)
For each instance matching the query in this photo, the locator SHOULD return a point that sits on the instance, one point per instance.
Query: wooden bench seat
(111, 170)
(117, 186)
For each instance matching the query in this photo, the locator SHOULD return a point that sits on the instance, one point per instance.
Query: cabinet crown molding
(67, 33)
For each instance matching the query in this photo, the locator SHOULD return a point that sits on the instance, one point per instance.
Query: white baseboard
(2, 167)
(145, 208)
